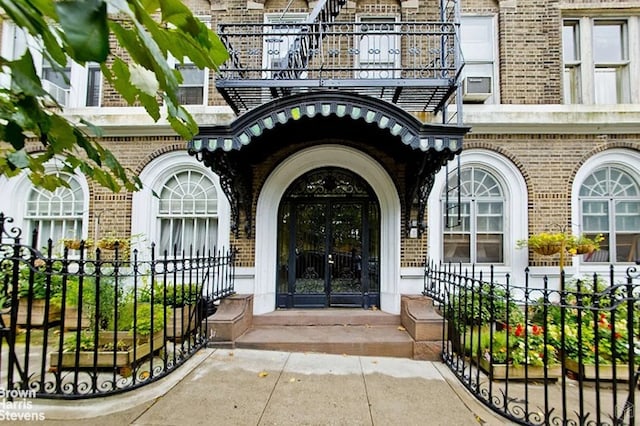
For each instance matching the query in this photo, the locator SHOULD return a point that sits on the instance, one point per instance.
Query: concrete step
(298, 317)
(365, 340)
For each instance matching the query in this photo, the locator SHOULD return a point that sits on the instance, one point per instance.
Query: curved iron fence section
(80, 322)
(561, 353)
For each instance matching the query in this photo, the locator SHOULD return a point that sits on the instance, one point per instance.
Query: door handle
(330, 261)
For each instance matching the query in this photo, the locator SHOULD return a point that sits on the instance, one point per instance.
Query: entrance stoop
(333, 330)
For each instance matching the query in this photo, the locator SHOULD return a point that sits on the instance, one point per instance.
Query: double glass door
(328, 252)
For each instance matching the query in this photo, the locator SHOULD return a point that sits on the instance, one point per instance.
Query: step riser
(397, 350)
(325, 318)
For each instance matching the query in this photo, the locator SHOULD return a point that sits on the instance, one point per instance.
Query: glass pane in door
(345, 259)
(310, 248)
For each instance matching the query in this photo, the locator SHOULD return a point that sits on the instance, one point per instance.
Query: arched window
(188, 213)
(181, 203)
(480, 234)
(56, 214)
(610, 205)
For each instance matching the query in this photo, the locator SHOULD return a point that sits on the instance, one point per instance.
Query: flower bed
(125, 352)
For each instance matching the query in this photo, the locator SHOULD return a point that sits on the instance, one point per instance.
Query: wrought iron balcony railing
(412, 64)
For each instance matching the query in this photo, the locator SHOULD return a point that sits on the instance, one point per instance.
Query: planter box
(37, 313)
(499, 371)
(180, 317)
(71, 318)
(588, 371)
(124, 360)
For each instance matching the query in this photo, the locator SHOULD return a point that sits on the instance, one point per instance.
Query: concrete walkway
(251, 387)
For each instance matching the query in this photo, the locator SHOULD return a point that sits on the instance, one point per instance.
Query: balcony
(414, 65)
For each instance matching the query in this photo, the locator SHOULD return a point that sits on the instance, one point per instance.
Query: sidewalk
(249, 387)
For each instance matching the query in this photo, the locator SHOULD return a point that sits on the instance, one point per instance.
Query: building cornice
(483, 119)
(552, 119)
(134, 121)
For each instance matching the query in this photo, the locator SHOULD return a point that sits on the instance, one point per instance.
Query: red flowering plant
(519, 345)
(612, 340)
(596, 325)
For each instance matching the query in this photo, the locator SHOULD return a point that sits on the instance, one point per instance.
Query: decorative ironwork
(271, 61)
(434, 145)
(422, 171)
(235, 180)
(97, 323)
(561, 354)
(328, 182)
(410, 131)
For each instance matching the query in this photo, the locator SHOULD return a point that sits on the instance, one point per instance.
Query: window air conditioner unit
(476, 89)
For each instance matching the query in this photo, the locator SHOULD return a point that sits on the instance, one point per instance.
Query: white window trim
(625, 159)
(144, 209)
(77, 96)
(495, 84)
(274, 19)
(173, 62)
(516, 214)
(587, 65)
(18, 188)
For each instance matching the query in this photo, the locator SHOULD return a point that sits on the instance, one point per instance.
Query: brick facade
(530, 71)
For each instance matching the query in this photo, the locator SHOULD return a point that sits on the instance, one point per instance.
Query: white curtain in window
(479, 237)
(58, 214)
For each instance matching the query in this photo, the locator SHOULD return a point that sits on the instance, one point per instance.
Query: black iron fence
(79, 321)
(559, 353)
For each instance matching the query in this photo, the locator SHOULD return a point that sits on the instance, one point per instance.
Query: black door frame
(365, 298)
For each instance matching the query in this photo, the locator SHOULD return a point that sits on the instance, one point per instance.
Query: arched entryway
(325, 129)
(328, 242)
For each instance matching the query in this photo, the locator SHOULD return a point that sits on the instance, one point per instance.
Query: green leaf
(24, 77)
(61, 134)
(84, 23)
(97, 131)
(13, 134)
(150, 103)
(181, 121)
(19, 159)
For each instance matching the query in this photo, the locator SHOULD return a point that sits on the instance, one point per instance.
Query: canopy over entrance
(231, 151)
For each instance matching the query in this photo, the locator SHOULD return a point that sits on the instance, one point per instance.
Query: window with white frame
(73, 85)
(610, 205)
(173, 183)
(279, 40)
(57, 82)
(94, 84)
(192, 89)
(571, 58)
(480, 234)
(478, 45)
(188, 213)
(378, 47)
(56, 214)
(504, 190)
(598, 60)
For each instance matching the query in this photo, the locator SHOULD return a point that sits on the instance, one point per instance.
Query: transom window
(610, 205)
(56, 214)
(479, 236)
(187, 213)
(597, 60)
